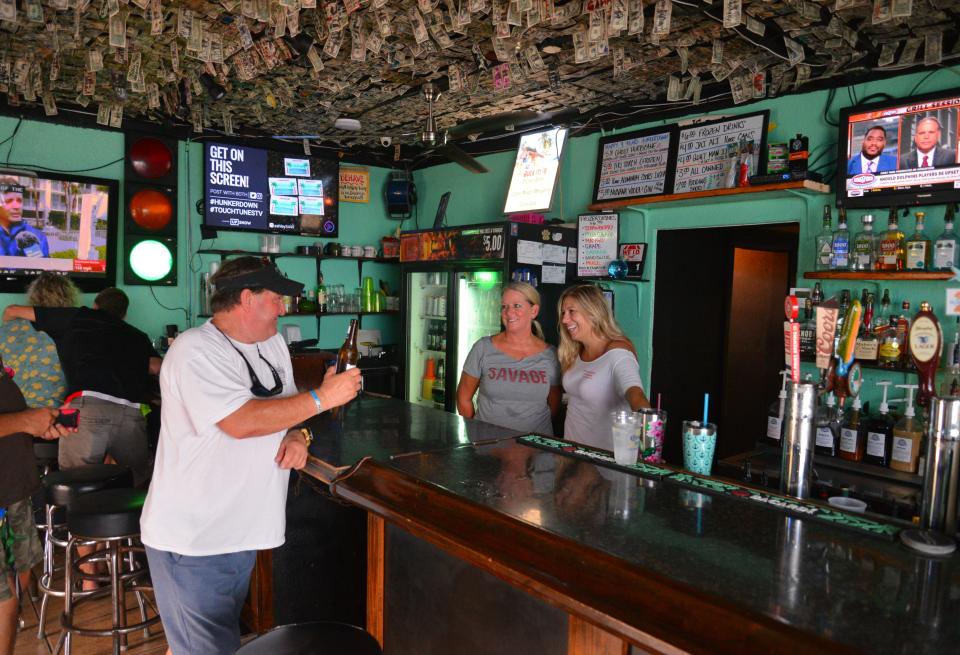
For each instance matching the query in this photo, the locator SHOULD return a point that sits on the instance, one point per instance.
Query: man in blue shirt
(16, 237)
(871, 158)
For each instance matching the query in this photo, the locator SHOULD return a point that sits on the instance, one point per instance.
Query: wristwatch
(307, 435)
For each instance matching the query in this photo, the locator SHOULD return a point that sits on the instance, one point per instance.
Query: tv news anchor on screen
(927, 150)
(871, 158)
(16, 237)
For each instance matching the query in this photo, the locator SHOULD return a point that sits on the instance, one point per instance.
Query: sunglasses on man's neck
(256, 387)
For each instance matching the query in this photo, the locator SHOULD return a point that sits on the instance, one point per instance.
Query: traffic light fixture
(150, 211)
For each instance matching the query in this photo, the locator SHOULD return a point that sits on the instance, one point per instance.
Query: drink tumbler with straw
(699, 442)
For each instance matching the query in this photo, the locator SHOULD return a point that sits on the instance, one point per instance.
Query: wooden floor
(96, 613)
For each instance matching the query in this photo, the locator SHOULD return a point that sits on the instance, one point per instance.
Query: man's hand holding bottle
(339, 388)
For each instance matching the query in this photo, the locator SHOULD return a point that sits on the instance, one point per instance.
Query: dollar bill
(661, 18)
(196, 119)
(618, 57)
(694, 89)
(227, 118)
(113, 6)
(103, 114)
(595, 26)
(49, 104)
(716, 55)
(8, 10)
(881, 12)
(34, 11)
(514, 17)
(933, 48)
(740, 89)
(133, 68)
(95, 61)
(293, 21)
(116, 115)
(732, 14)
(332, 47)
(888, 51)
(534, 60)
(453, 76)
(89, 84)
(684, 54)
(910, 48)
(803, 75)
(358, 49)
(901, 8)
(197, 29)
(795, 52)
(673, 88)
(579, 46)
(118, 30)
(618, 15)
(635, 17)
(153, 95)
(374, 41)
(758, 27)
(419, 28)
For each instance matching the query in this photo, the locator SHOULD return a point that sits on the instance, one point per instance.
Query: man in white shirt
(927, 151)
(227, 443)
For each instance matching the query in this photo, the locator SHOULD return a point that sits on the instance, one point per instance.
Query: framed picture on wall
(709, 154)
(635, 164)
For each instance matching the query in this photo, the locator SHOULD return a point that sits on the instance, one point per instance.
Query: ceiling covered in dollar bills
(292, 67)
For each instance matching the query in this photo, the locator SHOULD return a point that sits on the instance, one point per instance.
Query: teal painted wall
(62, 148)
(480, 198)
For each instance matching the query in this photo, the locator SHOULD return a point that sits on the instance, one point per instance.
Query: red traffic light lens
(151, 209)
(151, 158)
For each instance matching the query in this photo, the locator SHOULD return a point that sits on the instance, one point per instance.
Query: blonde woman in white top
(599, 364)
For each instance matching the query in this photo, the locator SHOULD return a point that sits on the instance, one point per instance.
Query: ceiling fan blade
(455, 154)
(491, 123)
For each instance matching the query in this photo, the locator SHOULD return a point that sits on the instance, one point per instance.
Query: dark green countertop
(865, 592)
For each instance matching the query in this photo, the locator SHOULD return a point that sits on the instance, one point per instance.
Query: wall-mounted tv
(535, 171)
(900, 152)
(258, 190)
(61, 223)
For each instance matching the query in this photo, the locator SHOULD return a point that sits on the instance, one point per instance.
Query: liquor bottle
(867, 345)
(907, 434)
(826, 441)
(308, 302)
(891, 251)
(890, 349)
(349, 356)
(321, 296)
(864, 246)
(774, 435)
(825, 242)
(853, 434)
(817, 295)
(808, 330)
(840, 246)
(919, 252)
(946, 249)
(879, 433)
(903, 327)
(884, 315)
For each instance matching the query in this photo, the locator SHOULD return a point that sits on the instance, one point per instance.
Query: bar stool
(110, 518)
(61, 489)
(315, 638)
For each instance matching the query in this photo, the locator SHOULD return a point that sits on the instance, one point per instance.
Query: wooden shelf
(878, 275)
(807, 359)
(713, 195)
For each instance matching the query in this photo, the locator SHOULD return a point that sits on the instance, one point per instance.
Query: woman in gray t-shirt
(515, 371)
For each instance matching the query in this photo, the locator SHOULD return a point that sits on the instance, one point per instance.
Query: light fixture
(348, 124)
(212, 87)
(552, 46)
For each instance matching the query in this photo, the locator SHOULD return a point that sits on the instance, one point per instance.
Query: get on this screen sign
(236, 187)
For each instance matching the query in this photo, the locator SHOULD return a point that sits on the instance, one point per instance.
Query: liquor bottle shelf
(275, 255)
(389, 312)
(878, 275)
(716, 195)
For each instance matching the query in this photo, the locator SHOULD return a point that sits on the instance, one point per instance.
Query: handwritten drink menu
(597, 236)
(634, 165)
(707, 151)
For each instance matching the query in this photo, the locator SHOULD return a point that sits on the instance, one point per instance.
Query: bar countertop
(664, 566)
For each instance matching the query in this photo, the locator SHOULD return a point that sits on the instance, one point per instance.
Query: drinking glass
(699, 443)
(626, 444)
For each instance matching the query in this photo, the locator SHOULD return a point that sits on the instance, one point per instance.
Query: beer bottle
(348, 356)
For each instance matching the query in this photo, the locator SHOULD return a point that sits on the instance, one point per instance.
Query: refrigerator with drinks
(452, 281)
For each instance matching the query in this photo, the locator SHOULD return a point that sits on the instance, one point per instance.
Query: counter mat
(793, 506)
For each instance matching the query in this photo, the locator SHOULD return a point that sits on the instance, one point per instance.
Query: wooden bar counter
(479, 544)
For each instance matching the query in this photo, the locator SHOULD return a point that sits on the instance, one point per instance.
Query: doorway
(718, 328)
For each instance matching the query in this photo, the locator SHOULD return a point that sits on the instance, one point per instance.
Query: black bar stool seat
(63, 487)
(315, 638)
(106, 514)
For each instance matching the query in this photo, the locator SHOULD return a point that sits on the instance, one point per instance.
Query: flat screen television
(535, 171)
(61, 223)
(258, 190)
(900, 152)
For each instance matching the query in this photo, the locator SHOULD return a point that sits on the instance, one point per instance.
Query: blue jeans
(199, 599)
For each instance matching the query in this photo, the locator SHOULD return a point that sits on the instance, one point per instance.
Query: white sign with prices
(597, 238)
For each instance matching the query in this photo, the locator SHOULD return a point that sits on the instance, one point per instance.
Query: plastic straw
(658, 395)
(706, 406)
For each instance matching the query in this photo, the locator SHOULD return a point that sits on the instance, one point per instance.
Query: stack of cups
(368, 296)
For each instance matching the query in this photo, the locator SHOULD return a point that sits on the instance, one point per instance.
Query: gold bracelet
(307, 435)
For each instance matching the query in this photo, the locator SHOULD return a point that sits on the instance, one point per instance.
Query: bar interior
(479, 326)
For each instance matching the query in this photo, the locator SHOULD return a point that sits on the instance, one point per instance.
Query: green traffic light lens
(150, 260)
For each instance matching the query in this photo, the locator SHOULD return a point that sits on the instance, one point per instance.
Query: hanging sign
(354, 185)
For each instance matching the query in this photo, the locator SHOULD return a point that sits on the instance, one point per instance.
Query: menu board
(635, 164)
(535, 171)
(708, 154)
(597, 236)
